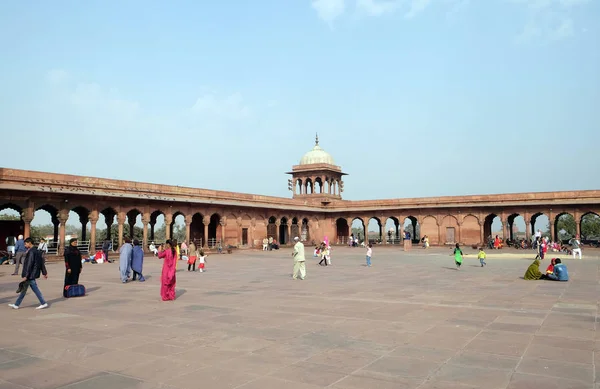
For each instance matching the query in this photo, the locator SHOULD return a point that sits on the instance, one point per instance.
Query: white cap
(296, 238)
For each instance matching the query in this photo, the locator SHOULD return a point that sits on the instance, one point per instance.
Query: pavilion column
(552, 237)
(459, 231)
(145, 222)
(277, 224)
(83, 219)
(382, 230)
(27, 217)
(121, 222)
(109, 224)
(441, 238)
(482, 234)
(188, 223)
(222, 222)
(252, 228)
(528, 231)
(206, 222)
(366, 230)
(56, 224)
(168, 222)
(62, 219)
(93, 217)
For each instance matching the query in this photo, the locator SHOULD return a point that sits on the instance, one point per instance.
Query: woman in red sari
(167, 278)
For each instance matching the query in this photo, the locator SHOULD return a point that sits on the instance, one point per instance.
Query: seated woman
(533, 271)
(549, 269)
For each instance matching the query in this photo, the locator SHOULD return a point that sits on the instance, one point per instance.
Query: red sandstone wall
(470, 231)
(429, 227)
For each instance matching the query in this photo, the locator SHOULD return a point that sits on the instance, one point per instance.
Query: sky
(411, 97)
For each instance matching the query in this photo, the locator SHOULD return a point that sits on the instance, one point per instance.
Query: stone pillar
(528, 231)
(238, 222)
(121, 222)
(459, 232)
(146, 222)
(188, 223)
(83, 220)
(168, 221)
(383, 230)
(223, 222)
(27, 217)
(56, 224)
(253, 227)
(93, 217)
(441, 237)
(482, 234)
(63, 216)
(552, 237)
(206, 222)
(152, 224)
(131, 228)
(366, 230)
(277, 224)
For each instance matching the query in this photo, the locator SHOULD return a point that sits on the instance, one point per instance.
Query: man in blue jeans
(32, 267)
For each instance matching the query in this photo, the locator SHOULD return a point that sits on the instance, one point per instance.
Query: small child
(369, 253)
(481, 257)
(458, 256)
(202, 261)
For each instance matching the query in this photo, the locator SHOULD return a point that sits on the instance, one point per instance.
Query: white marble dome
(317, 155)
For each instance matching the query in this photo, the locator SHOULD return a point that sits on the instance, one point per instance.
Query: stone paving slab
(410, 321)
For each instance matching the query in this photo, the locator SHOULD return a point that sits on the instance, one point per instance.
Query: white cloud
(416, 7)
(378, 7)
(329, 10)
(548, 20)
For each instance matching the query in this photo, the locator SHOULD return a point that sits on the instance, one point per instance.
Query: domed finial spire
(316, 139)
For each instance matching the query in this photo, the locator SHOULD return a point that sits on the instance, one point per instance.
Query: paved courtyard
(410, 321)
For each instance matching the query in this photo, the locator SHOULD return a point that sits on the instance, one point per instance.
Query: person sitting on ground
(560, 272)
(533, 271)
(153, 249)
(549, 269)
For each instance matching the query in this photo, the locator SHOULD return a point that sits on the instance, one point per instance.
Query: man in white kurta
(299, 260)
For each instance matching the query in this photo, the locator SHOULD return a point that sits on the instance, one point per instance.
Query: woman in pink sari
(167, 278)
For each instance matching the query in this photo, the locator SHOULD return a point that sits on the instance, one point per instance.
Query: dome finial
(316, 139)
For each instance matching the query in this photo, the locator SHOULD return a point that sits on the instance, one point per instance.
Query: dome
(317, 155)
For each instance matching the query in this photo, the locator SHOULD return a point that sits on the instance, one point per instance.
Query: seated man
(560, 272)
(153, 249)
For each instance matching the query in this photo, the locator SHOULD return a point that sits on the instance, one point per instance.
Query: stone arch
(359, 229)
(38, 216)
(342, 230)
(513, 229)
(197, 229)
(392, 230)
(590, 226)
(156, 216)
(214, 233)
(470, 230)
(284, 232)
(412, 225)
(308, 186)
(491, 223)
(109, 214)
(295, 228)
(375, 228)
(305, 230)
(318, 185)
(299, 186)
(11, 227)
(565, 227)
(430, 228)
(82, 218)
(272, 228)
(133, 218)
(177, 219)
(537, 223)
(450, 230)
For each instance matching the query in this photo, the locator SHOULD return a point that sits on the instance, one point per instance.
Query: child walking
(369, 253)
(458, 256)
(481, 257)
(202, 261)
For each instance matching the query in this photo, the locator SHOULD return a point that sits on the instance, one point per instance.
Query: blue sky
(412, 98)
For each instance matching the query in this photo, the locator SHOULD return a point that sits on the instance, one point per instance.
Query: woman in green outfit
(458, 256)
(533, 271)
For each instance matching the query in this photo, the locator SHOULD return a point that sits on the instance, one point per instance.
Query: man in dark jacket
(32, 267)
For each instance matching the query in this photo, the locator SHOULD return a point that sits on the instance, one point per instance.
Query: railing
(212, 243)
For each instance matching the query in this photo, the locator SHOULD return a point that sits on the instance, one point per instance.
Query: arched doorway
(392, 230)
(492, 226)
(540, 222)
(214, 235)
(590, 227)
(197, 230)
(272, 228)
(284, 232)
(516, 227)
(374, 229)
(295, 229)
(305, 235)
(359, 229)
(342, 230)
(11, 223)
(411, 224)
(565, 227)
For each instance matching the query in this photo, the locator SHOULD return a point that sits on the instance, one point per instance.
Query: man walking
(20, 251)
(299, 260)
(32, 267)
(576, 246)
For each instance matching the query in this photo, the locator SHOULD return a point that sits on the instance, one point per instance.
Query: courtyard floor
(410, 321)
